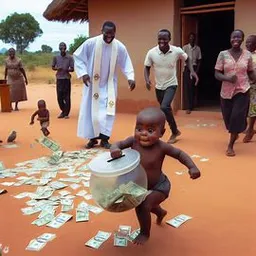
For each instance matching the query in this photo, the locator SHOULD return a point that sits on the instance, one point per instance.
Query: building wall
(137, 25)
(245, 16)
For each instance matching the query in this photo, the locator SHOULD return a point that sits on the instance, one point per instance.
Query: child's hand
(194, 173)
(115, 152)
(31, 123)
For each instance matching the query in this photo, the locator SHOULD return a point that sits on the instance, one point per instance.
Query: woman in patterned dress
(234, 67)
(16, 78)
(251, 46)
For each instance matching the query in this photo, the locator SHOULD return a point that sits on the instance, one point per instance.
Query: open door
(189, 24)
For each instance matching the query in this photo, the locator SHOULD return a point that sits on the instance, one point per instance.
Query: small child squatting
(43, 117)
(146, 140)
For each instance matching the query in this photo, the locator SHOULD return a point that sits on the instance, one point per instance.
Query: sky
(53, 32)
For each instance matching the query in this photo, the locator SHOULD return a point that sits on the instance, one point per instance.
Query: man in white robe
(96, 62)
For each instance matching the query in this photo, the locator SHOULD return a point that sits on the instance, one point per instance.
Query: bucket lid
(103, 165)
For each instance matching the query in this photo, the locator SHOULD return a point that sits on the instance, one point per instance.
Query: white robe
(84, 60)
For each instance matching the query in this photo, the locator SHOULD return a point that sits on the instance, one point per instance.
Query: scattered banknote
(95, 209)
(46, 237)
(13, 145)
(178, 220)
(75, 186)
(2, 167)
(82, 205)
(34, 245)
(120, 241)
(88, 197)
(120, 237)
(3, 191)
(40, 242)
(67, 208)
(86, 184)
(133, 235)
(98, 240)
(30, 210)
(204, 159)
(44, 220)
(8, 184)
(65, 201)
(22, 195)
(59, 220)
(58, 185)
(82, 215)
(64, 193)
(48, 143)
(195, 156)
(81, 193)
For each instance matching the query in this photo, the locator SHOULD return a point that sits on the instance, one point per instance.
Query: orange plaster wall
(245, 16)
(137, 25)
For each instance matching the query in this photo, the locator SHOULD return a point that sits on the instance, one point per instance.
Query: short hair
(11, 49)
(154, 113)
(62, 43)
(165, 31)
(192, 34)
(253, 38)
(41, 102)
(239, 30)
(109, 24)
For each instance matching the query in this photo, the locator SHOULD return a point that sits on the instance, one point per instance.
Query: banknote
(46, 237)
(8, 184)
(67, 208)
(48, 143)
(44, 220)
(95, 209)
(58, 185)
(34, 245)
(88, 197)
(120, 241)
(82, 215)
(66, 202)
(75, 186)
(133, 235)
(81, 193)
(59, 220)
(2, 167)
(178, 220)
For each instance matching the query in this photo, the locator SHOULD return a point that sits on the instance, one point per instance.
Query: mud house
(138, 22)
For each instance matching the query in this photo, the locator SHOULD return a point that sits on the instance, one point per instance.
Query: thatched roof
(66, 10)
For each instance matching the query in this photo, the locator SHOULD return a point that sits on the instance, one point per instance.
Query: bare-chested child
(43, 117)
(146, 140)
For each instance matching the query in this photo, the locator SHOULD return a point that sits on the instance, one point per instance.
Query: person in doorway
(164, 59)
(16, 78)
(63, 64)
(150, 127)
(251, 46)
(194, 53)
(95, 62)
(234, 67)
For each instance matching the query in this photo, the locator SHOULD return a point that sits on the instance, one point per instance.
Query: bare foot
(248, 137)
(230, 152)
(141, 239)
(16, 109)
(160, 217)
(173, 138)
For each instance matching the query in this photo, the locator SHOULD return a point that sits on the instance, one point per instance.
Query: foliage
(33, 59)
(20, 30)
(46, 48)
(77, 42)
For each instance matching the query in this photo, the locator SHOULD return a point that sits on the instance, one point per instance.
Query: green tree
(46, 48)
(77, 42)
(20, 30)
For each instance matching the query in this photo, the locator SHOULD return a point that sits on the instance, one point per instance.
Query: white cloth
(84, 63)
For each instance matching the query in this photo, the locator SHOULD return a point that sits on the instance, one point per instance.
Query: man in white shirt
(163, 58)
(95, 62)
(194, 53)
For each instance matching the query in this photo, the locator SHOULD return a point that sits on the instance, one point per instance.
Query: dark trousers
(189, 88)
(63, 95)
(235, 112)
(165, 98)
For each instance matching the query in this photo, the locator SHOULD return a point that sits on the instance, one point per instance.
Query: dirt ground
(221, 202)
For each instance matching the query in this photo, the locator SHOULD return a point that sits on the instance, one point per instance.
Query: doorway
(213, 31)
